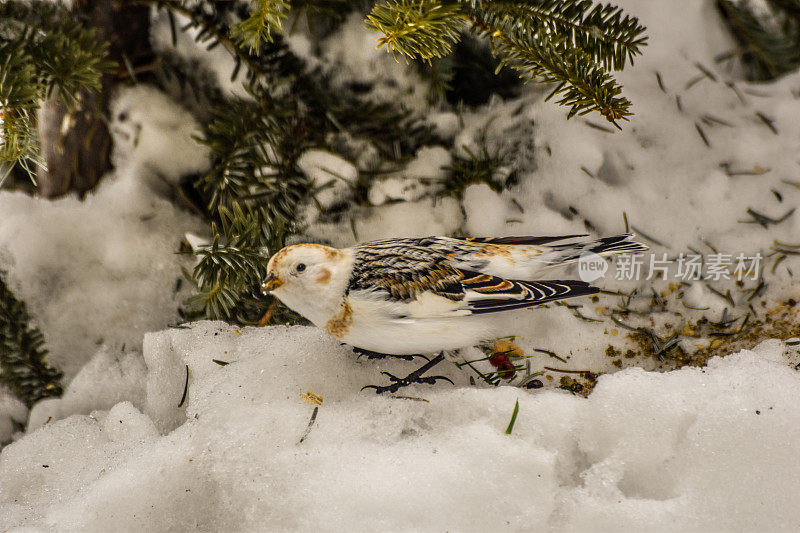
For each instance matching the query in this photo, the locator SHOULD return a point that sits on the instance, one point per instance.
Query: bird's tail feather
(567, 253)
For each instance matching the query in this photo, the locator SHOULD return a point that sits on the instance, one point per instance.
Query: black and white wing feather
(407, 270)
(488, 294)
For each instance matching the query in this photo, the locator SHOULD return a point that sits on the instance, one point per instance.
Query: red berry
(507, 370)
(499, 359)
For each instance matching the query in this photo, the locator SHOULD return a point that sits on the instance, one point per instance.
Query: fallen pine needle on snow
(510, 427)
(185, 387)
(310, 424)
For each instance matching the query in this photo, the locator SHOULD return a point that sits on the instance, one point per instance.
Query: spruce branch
(570, 43)
(19, 99)
(22, 353)
(582, 84)
(417, 28)
(255, 145)
(605, 32)
(232, 267)
(489, 167)
(768, 50)
(44, 49)
(266, 16)
(213, 30)
(254, 189)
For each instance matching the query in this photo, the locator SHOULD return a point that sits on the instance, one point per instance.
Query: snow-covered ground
(690, 449)
(695, 449)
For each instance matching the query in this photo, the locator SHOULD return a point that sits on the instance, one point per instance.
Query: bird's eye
(300, 267)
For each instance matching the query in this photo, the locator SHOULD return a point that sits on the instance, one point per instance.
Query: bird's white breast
(409, 328)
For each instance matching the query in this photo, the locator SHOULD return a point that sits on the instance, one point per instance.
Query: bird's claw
(414, 377)
(432, 379)
(377, 355)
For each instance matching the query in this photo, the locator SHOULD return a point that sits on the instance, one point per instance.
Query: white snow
(99, 271)
(485, 211)
(693, 449)
(418, 179)
(12, 412)
(331, 176)
(144, 122)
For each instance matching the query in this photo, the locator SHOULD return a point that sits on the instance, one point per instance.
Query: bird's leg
(377, 355)
(414, 377)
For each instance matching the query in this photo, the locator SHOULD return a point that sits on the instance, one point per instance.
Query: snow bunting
(426, 295)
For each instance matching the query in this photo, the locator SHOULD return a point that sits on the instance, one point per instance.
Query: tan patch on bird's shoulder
(324, 276)
(530, 251)
(495, 250)
(340, 324)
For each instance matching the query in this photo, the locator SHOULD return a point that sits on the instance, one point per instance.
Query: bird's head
(309, 278)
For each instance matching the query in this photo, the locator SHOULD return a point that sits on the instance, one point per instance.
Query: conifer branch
(22, 353)
(417, 28)
(491, 168)
(768, 50)
(211, 30)
(570, 43)
(603, 31)
(44, 49)
(583, 85)
(265, 17)
(229, 274)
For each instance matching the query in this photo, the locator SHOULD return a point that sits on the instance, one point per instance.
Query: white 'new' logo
(591, 267)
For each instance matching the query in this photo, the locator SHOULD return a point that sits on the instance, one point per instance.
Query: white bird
(426, 295)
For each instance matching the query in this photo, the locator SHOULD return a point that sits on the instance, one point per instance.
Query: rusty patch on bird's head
(340, 324)
(278, 257)
(329, 253)
(324, 276)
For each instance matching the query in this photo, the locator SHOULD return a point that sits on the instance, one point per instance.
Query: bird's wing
(403, 269)
(489, 294)
(412, 270)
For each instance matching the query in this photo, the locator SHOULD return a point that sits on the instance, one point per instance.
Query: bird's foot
(414, 377)
(369, 354)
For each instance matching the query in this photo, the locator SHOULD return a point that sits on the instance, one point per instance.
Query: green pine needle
(513, 421)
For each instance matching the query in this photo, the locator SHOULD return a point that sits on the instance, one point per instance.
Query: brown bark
(76, 143)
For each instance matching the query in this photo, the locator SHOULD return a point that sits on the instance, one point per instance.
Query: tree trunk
(75, 143)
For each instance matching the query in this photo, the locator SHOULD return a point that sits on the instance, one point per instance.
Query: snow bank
(99, 271)
(693, 449)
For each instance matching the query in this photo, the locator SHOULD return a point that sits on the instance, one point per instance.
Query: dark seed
(534, 384)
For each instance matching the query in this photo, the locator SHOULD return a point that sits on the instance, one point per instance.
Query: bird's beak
(271, 283)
